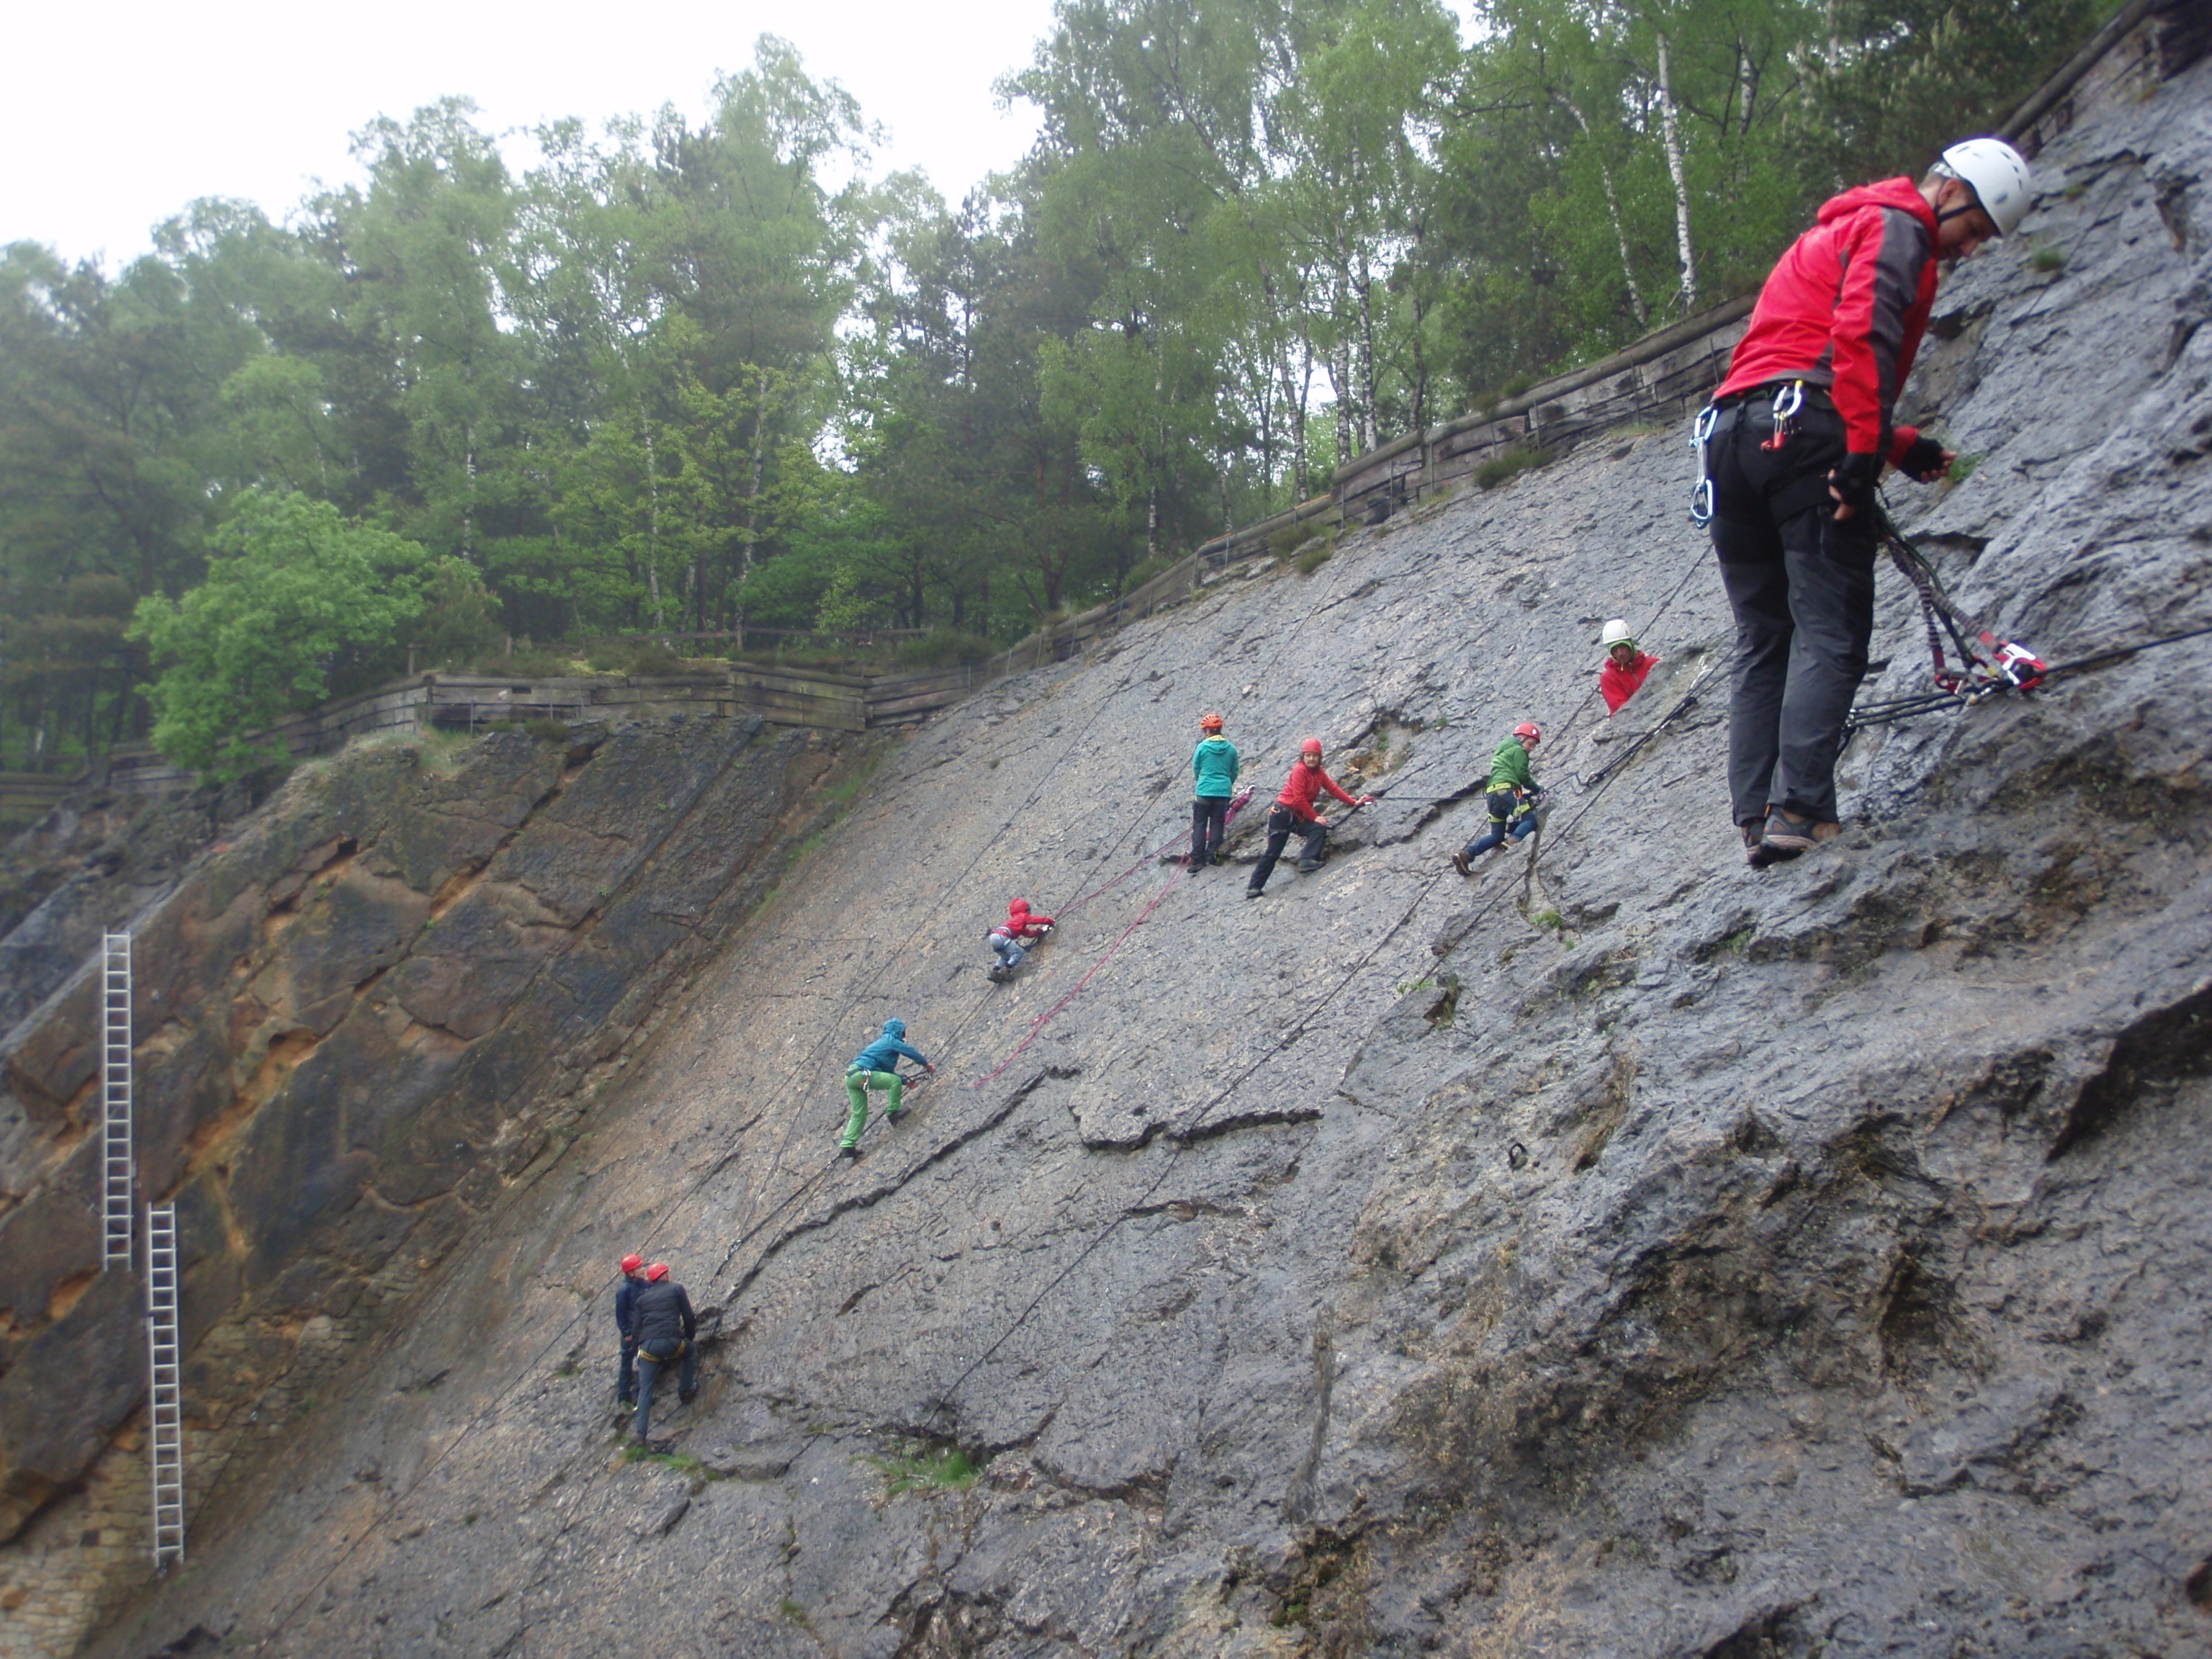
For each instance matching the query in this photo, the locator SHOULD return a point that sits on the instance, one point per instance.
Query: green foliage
(941, 649)
(1509, 463)
(291, 588)
(460, 618)
(701, 375)
(1317, 556)
(2047, 259)
(922, 1467)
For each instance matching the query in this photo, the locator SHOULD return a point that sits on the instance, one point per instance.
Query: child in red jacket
(1020, 928)
(1294, 814)
(1626, 667)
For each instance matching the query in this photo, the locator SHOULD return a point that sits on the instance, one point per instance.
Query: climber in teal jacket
(1214, 766)
(876, 1066)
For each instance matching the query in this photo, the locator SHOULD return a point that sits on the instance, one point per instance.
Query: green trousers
(857, 1085)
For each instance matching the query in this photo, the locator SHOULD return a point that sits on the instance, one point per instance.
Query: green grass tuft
(920, 1467)
(1511, 464)
(2047, 259)
(1317, 556)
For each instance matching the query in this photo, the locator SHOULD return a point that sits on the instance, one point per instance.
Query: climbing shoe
(1459, 863)
(896, 1118)
(852, 1153)
(685, 1396)
(1254, 892)
(1307, 866)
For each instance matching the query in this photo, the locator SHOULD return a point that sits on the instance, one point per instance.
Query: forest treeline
(699, 375)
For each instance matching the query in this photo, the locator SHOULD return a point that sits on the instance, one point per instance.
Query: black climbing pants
(1282, 822)
(1209, 821)
(1801, 586)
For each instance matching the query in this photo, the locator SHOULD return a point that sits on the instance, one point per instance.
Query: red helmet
(656, 1273)
(632, 1263)
(1310, 746)
(1209, 722)
(1526, 732)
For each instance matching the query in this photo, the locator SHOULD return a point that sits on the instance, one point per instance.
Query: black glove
(1853, 478)
(1924, 459)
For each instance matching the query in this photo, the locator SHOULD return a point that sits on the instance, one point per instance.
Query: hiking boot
(1785, 835)
(1459, 863)
(1307, 866)
(896, 1118)
(685, 1396)
(1254, 892)
(850, 1152)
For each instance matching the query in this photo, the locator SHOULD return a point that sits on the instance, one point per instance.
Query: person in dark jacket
(1793, 445)
(876, 1066)
(633, 1270)
(1294, 814)
(667, 1331)
(1213, 766)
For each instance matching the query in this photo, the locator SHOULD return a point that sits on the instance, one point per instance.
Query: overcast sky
(112, 120)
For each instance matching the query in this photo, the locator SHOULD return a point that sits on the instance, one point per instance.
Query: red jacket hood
(1900, 193)
(1018, 908)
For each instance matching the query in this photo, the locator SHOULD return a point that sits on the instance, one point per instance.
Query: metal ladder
(165, 1424)
(116, 1199)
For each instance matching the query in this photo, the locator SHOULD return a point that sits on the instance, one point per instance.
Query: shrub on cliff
(293, 591)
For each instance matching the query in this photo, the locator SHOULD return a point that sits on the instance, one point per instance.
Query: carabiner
(1701, 496)
(1788, 400)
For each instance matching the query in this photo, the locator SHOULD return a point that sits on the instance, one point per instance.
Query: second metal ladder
(165, 1416)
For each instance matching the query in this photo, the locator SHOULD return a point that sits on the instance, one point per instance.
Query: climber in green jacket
(1514, 797)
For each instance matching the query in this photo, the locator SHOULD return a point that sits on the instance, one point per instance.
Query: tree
(295, 594)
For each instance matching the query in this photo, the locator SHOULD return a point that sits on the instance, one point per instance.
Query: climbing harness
(1701, 437)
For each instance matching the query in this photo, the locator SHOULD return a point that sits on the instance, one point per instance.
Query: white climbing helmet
(1997, 174)
(1616, 633)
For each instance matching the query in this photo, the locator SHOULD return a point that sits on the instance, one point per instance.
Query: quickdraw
(2000, 665)
(1701, 496)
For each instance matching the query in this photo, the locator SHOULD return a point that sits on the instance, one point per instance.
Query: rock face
(1624, 1253)
(394, 992)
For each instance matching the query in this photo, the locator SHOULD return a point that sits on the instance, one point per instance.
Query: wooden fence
(27, 797)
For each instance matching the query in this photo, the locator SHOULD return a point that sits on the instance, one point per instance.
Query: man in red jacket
(1793, 446)
(1293, 812)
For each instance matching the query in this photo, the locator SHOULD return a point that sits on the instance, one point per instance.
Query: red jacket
(1021, 923)
(1305, 788)
(1845, 308)
(1619, 684)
